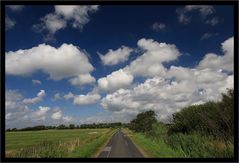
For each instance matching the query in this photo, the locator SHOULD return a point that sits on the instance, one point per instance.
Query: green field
(56, 143)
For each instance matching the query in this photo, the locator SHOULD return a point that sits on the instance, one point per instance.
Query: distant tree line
(71, 126)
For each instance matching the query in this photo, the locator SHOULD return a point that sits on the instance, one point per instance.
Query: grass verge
(153, 148)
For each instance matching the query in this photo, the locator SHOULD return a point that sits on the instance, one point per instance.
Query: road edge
(96, 155)
(136, 145)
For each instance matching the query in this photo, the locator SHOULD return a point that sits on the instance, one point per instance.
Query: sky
(90, 64)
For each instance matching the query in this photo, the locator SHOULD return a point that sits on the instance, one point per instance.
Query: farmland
(56, 143)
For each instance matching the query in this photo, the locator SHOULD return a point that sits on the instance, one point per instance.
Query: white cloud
(67, 119)
(69, 96)
(8, 116)
(35, 82)
(9, 23)
(90, 98)
(82, 79)
(217, 62)
(15, 7)
(13, 98)
(113, 57)
(77, 16)
(178, 88)
(52, 23)
(150, 62)
(57, 114)
(166, 97)
(204, 10)
(86, 99)
(63, 62)
(40, 95)
(206, 36)
(56, 96)
(115, 80)
(158, 26)
(40, 113)
(19, 114)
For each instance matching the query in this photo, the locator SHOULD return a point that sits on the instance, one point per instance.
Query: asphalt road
(120, 146)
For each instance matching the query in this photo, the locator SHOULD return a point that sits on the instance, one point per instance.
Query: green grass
(153, 148)
(56, 143)
(194, 145)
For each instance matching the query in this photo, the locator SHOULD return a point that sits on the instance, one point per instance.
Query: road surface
(120, 146)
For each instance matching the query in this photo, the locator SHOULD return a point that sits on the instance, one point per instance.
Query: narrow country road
(120, 146)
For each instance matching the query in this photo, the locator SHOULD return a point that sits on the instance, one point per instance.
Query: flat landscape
(119, 81)
(56, 143)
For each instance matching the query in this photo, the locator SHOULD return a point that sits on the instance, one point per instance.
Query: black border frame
(235, 4)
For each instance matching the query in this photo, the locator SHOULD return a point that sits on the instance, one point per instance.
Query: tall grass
(152, 146)
(195, 145)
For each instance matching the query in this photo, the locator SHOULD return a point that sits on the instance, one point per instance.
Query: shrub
(143, 122)
(212, 118)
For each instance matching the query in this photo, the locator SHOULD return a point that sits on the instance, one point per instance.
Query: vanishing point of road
(120, 146)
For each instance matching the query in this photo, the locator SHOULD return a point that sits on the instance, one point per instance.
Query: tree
(71, 126)
(61, 127)
(212, 118)
(143, 122)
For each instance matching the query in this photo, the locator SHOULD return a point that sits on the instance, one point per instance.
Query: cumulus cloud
(76, 16)
(150, 62)
(90, 98)
(40, 114)
(82, 79)
(52, 23)
(204, 10)
(117, 79)
(178, 88)
(158, 26)
(69, 96)
(35, 82)
(57, 96)
(67, 119)
(57, 114)
(63, 62)
(166, 97)
(217, 62)
(113, 57)
(79, 14)
(34, 100)
(19, 114)
(13, 99)
(86, 99)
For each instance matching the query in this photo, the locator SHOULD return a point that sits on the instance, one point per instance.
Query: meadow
(56, 143)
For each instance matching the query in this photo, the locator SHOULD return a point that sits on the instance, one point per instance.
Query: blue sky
(155, 51)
